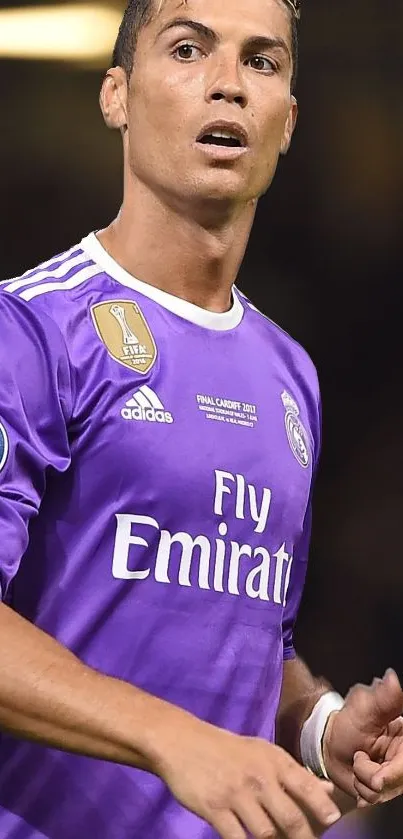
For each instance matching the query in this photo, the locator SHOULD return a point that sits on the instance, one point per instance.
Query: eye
(186, 52)
(261, 63)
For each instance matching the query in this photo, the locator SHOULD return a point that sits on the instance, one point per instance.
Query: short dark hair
(140, 12)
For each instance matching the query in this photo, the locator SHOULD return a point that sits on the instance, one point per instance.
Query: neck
(191, 252)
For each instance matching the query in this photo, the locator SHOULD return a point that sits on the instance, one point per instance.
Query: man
(159, 439)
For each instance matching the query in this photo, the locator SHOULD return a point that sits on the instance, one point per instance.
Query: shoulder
(294, 371)
(293, 353)
(25, 326)
(45, 288)
(33, 354)
(35, 319)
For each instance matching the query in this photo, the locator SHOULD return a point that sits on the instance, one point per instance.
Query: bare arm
(48, 695)
(300, 693)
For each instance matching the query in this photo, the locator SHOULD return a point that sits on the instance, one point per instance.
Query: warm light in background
(73, 32)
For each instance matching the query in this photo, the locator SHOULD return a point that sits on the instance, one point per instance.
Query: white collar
(219, 321)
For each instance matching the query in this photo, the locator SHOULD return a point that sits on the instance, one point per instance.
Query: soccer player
(158, 444)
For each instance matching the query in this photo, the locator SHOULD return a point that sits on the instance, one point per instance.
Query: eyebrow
(260, 42)
(195, 25)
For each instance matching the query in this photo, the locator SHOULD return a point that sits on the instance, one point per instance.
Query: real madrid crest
(123, 329)
(296, 433)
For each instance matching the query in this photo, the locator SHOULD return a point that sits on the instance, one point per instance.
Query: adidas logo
(145, 406)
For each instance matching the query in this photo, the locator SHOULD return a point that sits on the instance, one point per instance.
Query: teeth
(225, 134)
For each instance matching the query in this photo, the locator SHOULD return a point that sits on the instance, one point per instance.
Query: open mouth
(231, 136)
(221, 138)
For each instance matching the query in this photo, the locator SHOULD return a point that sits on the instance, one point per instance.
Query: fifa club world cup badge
(3, 446)
(123, 329)
(296, 433)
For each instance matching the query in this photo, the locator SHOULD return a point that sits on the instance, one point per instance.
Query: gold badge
(124, 331)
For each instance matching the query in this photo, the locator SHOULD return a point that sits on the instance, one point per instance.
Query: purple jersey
(156, 467)
(357, 825)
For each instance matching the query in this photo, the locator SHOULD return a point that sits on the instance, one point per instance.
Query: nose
(225, 82)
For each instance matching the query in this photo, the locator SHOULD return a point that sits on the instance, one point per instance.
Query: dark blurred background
(324, 262)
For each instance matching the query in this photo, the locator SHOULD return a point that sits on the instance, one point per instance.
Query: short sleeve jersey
(156, 470)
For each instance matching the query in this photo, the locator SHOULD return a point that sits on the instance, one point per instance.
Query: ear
(289, 126)
(113, 98)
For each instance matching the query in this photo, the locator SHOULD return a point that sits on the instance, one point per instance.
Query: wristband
(313, 730)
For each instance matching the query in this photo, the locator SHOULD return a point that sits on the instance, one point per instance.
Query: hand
(368, 724)
(240, 784)
(379, 776)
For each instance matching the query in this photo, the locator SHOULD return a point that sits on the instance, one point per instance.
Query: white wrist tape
(313, 730)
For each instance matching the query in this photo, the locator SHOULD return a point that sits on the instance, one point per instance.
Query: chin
(224, 186)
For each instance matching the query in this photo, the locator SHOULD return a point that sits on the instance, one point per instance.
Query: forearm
(300, 693)
(48, 695)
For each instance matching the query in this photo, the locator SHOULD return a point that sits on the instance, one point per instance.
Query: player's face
(203, 67)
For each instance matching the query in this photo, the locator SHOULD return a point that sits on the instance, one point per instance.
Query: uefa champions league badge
(296, 433)
(3, 446)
